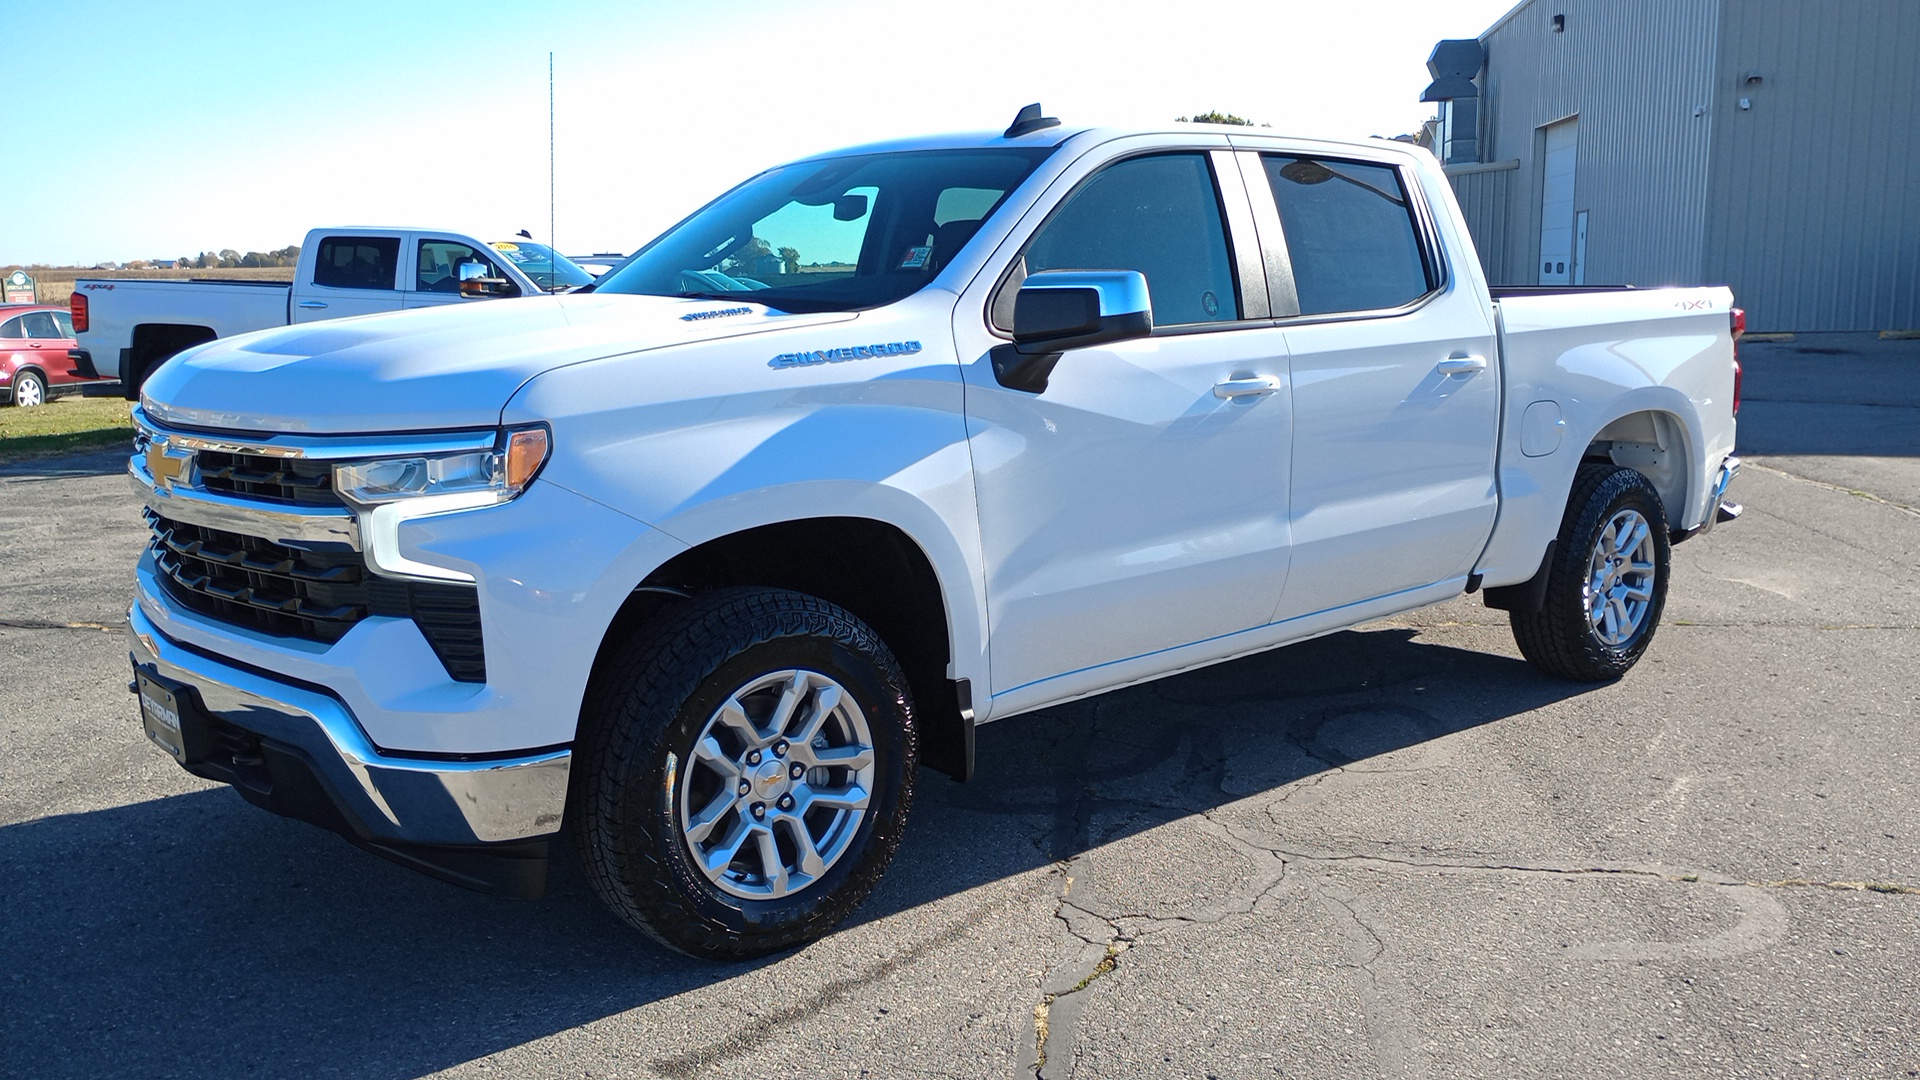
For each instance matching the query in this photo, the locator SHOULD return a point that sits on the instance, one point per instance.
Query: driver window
(438, 267)
(1158, 215)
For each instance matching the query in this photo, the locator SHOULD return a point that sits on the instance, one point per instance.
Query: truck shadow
(195, 934)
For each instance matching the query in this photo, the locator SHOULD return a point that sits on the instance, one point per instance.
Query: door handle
(1250, 386)
(1462, 365)
(313, 304)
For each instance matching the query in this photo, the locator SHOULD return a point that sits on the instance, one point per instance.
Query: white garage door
(1556, 203)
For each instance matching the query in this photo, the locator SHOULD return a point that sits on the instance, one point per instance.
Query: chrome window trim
(1425, 231)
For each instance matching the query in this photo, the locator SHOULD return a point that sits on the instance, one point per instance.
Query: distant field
(63, 424)
(54, 286)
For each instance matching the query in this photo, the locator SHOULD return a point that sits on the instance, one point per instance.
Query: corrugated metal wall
(1639, 74)
(1814, 205)
(1485, 192)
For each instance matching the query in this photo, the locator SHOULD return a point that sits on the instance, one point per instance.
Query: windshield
(837, 235)
(548, 268)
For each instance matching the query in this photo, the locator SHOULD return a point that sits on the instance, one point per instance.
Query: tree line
(228, 259)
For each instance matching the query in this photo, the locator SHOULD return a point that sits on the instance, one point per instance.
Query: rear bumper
(297, 751)
(1718, 508)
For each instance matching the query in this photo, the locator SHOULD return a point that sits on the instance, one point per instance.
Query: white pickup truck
(125, 327)
(701, 561)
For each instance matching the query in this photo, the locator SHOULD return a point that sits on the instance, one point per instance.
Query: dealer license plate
(160, 714)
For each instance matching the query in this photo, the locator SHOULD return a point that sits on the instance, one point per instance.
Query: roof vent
(1029, 120)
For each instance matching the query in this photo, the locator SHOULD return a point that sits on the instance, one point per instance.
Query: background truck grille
(314, 595)
(288, 481)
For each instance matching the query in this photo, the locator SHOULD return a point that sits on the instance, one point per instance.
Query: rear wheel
(1608, 582)
(747, 769)
(29, 389)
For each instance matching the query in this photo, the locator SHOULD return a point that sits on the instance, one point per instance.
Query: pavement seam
(1841, 488)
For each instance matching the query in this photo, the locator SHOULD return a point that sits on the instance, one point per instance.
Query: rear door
(48, 342)
(351, 274)
(1395, 396)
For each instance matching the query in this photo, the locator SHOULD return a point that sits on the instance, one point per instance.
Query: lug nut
(797, 771)
(780, 748)
(745, 787)
(753, 757)
(759, 809)
(786, 802)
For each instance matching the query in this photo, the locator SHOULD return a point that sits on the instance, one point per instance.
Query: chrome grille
(282, 480)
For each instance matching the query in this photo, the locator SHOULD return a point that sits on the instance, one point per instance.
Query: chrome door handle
(1462, 365)
(312, 304)
(1252, 386)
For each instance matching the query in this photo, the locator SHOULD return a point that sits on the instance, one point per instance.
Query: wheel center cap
(770, 779)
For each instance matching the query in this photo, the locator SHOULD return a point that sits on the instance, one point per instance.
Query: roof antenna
(1029, 120)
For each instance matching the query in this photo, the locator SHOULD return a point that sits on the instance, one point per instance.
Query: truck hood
(431, 368)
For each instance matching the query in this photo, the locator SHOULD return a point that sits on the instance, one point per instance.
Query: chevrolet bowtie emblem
(167, 466)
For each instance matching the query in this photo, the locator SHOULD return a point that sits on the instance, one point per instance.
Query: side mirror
(475, 284)
(1057, 310)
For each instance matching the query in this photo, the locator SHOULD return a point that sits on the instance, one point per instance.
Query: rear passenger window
(357, 262)
(40, 324)
(1350, 233)
(1158, 215)
(12, 329)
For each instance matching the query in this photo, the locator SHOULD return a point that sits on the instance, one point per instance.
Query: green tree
(747, 258)
(228, 258)
(789, 260)
(1214, 116)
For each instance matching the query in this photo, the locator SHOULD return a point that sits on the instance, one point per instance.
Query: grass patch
(63, 425)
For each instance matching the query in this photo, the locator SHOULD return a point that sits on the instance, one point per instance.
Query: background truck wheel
(29, 389)
(1608, 581)
(747, 765)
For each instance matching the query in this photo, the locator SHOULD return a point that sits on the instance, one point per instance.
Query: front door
(1129, 509)
(436, 271)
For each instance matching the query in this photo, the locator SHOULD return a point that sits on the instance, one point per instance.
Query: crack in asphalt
(39, 624)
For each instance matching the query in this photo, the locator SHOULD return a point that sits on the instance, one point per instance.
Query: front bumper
(298, 751)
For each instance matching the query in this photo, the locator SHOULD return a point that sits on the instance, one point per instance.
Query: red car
(34, 339)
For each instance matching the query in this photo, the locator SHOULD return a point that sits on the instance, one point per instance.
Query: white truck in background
(701, 562)
(126, 327)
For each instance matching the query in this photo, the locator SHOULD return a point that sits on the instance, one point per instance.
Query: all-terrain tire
(652, 709)
(1604, 594)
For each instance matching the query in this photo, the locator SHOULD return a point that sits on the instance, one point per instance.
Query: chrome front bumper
(387, 800)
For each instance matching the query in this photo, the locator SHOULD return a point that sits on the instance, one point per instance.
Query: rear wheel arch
(153, 343)
(1656, 444)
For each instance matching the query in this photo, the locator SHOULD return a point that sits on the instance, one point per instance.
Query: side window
(39, 324)
(356, 262)
(438, 267)
(1350, 233)
(12, 329)
(65, 322)
(1159, 215)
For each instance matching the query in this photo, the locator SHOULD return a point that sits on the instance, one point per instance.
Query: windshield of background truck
(548, 268)
(838, 235)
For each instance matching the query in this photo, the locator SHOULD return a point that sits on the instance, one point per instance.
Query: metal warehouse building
(1770, 145)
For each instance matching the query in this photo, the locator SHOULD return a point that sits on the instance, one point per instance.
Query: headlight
(486, 477)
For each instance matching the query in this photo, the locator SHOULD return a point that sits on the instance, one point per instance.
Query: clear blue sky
(157, 129)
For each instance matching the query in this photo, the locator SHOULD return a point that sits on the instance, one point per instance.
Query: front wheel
(1608, 581)
(748, 764)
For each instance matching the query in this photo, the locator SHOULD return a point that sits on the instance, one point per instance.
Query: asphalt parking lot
(1392, 852)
